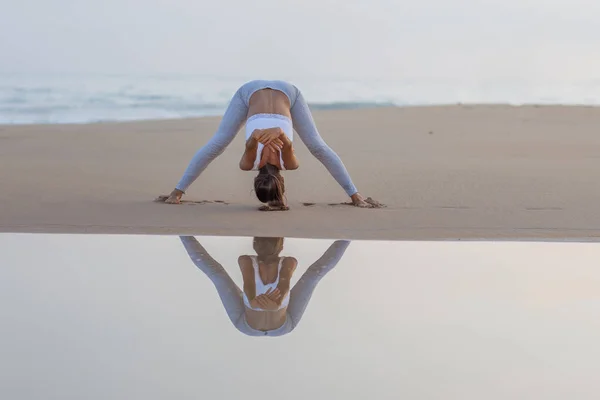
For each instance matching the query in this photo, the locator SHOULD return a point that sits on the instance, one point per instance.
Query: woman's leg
(229, 292)
(307, 130)
(232, 121)
(304, 288)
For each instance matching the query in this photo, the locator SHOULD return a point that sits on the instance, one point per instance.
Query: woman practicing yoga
(266, 306)
(272, 110)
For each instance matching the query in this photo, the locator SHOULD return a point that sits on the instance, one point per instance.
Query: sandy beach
(448, 172)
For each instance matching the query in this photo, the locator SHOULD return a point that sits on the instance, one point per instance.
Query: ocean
(85, 98)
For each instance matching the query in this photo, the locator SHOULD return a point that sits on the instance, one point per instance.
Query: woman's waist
(268, 117)
(282, 306)
(265, 319)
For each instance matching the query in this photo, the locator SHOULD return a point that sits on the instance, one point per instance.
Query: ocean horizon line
(335, 106)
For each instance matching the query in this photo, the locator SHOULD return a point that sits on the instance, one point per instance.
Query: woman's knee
(319, 150)
(215, 148)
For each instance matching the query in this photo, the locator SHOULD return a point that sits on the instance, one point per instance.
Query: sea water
(124, 317)
(37, 98)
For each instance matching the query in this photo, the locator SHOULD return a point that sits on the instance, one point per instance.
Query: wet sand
(448, 172)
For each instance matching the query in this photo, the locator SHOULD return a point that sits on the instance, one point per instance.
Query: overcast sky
(549, 39)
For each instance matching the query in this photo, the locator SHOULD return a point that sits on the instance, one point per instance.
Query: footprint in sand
(162, 198)
(270, 208)
(374, 203)
(544, 208)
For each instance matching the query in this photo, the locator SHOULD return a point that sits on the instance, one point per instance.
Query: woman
(266, 306)
(272, 110)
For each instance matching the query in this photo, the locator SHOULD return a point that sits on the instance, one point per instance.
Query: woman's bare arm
(245, 263)
(287, 270)
(249, 156)
(287, 154)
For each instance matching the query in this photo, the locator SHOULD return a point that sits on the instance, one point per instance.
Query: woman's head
(268, 247)
(269, 185)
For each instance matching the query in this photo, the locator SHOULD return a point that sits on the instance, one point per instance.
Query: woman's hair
(267, 247)
(269, 185)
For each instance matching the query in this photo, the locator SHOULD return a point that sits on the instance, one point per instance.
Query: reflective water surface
(163, 317)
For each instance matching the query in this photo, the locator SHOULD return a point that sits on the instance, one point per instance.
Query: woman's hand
(275, 146)
(277, 295)
(271, 300)
(265, 303)
(285, 141)
(274, 139)
(268, 136)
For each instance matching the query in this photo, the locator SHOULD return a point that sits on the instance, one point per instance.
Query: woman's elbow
(245, 166)
(292, 166)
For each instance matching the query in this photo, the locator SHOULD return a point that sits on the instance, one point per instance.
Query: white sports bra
(266, 121)
(262, 288)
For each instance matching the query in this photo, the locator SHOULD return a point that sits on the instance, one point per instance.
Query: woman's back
(269, 101)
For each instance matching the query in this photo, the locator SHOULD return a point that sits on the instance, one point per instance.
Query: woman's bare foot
(174, 197)
(359, 201)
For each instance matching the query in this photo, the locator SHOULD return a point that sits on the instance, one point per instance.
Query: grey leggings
(236, 115)
(231, 295)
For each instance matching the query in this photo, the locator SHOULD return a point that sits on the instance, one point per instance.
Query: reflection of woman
(266, 306)
(267, 279)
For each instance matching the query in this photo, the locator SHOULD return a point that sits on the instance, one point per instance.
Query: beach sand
(448, 172)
